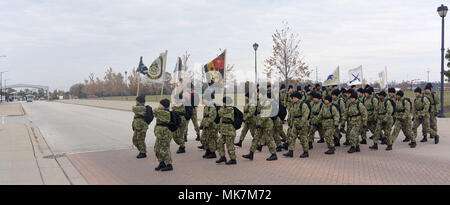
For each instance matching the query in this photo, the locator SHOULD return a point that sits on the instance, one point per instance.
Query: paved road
(70, 128)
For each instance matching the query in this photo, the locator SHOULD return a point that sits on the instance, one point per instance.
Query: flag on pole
(177, 70)
(142, 68)
(382, 78)
(355, 76)
(215, 70)
(333, 78)
(158, 68)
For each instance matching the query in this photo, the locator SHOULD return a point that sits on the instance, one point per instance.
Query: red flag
(215, 69)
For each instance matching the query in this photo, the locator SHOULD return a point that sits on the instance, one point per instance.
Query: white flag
(157, 70)
(333, 78)
(382, 79)
(355, 76)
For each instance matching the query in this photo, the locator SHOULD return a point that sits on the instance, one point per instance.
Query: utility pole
(317, 76)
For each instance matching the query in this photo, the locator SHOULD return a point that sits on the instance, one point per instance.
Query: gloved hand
(421, 118)
(201, 127)
(384, 123)
(299, 127)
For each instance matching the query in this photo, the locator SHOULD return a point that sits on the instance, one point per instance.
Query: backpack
(392, 103)
(189, 112)
(309, 107)
(410, 103)
(238, 118)
(175, 121)
(282, 112)
(337, 107)
(148, 118)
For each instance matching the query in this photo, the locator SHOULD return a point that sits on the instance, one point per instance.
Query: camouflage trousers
(248, 126)
(383, 131)
(403, 125)
(278, 132)
(162, 144)
(328, 133)
(302, 134)
(353, 130)
(371, 126)
(227, 140)
(179, 133)
(208, 138)
(264, 136)
(194, 122)
(139, 140)
(425, 126)
(433, 125)
(312, 131)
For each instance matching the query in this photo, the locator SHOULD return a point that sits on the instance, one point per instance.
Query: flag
(177, 70)
(142, 68)
(382, 76)
(157, 68)
(333, 78)
(215, 70)
(355, 76)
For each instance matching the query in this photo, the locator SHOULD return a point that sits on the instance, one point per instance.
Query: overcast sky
(58, 43)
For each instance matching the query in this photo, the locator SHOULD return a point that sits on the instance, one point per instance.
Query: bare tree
(286, 60)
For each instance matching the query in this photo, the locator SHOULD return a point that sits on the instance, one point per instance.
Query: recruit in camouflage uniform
(208, 137)
(227, 133)
(249, 120)
(385, 120)
(402, 115)
(316, 124)
(434, 102)
(421, 114)
(370, 103)
(140, 129)
(340, 103)
(163, 136)
(298, 121)
(330, 118)
(265, 125)
(178, 107)
(356, 118)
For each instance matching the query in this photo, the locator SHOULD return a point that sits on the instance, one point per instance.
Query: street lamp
(126, 86)
(1, 85)
(442, 10)
(6, 89)
(255, 46)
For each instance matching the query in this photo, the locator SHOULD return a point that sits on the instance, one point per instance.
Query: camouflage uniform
(402, 122)
(194, 121)
(265, 134)
(178, 137)
(298, 117)
(371, 105)
(316, 124)
(249, 121)
(163, 135)
(434, 101)
(385, 120)
(139, 127)
(278, 132)
(339, 102)
(329, 116)
(421, 110)
(208, 137)
(355, 120)
(227, 132)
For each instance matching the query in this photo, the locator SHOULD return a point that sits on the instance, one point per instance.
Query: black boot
(259, 148)
(374, 146)
(141, 155)
(185, 138)
(389, 148)
(412, 144)
(310, 145)
(181, 150)
(286, 146)
(239, 144)
(436, 139)
(364, 141)
(290, 154)
(272, 157)
(384, 141)
(424, 139)
(207, 152)
(321, 140)
(167, 168)
(431, 136)
(337, 142)
(198, 138)
(160, 166)
(279, 148)
(248, 156)
(330, 151)
(371, 137)
(222, 159)
(357, 148)
(351, 150)
(346, 143)
(283, 140)
(212, 155)
(406, 139)
(232, 161)
(201, 147)
(304, 155)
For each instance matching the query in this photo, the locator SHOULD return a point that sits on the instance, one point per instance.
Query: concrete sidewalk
(11, 109)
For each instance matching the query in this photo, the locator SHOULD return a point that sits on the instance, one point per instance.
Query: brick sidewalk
(400, 166)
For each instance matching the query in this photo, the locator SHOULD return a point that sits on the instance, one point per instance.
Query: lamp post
(1, 85)
(442, 10)
(6, 89)
(126, 86)
(255, 47)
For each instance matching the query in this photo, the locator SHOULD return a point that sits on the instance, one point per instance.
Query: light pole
(6, 89)
(255, 47)
(126, 86)
(442, 10)
(1, 85)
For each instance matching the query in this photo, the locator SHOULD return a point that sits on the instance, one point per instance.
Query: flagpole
(163, 75)
(362, 78)
(139, 82)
